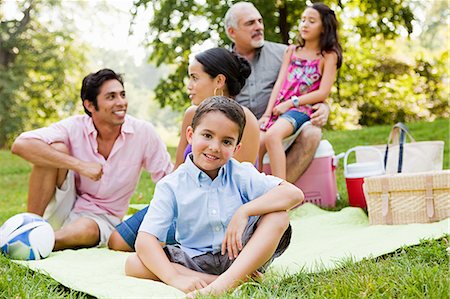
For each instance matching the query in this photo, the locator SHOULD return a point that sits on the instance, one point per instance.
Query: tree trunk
(282, 22)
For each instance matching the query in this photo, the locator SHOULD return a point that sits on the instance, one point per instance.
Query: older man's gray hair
(231, 20)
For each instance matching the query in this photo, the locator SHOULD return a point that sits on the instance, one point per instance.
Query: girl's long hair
(329, 40)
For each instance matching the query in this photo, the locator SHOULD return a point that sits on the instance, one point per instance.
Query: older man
(245, 27)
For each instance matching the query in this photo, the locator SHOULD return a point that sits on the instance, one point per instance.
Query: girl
(216, 71)
(305, 78)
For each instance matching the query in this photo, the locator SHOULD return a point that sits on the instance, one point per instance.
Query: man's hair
(228, 107)
(218, 61)
(90, 87)
(230, 19)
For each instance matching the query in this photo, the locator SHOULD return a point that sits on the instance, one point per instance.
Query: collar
(126, 127)
(257, 50)
(201, 177)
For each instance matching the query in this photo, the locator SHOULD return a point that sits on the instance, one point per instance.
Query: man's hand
(187, 283)
(320, 116)
(282, 108)
(232, 242)
(92, 170)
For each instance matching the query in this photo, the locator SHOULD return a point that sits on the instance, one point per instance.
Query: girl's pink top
(302, 76)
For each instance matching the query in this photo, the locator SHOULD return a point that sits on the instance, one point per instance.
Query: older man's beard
(258, 44)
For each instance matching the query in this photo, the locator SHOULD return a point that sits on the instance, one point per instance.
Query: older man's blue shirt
(203, 207)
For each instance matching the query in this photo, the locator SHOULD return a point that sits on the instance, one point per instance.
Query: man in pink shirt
(86, 167)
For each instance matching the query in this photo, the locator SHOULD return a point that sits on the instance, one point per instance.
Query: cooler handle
(354, 149)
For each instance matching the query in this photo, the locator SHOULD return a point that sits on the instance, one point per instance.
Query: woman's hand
(262, 122)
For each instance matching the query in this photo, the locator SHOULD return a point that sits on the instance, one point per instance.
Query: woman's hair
(329, 40)
(218, 61)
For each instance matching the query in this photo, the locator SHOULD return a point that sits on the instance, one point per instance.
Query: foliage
(40, 67)
(373, 87)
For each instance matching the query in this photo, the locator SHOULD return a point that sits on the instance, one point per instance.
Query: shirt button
(217, 228)
(213, 212)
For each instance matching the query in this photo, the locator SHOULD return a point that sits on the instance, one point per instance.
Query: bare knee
(311, 134)
(272, 138)
(89, 231)
(116, 242)
(279, 221)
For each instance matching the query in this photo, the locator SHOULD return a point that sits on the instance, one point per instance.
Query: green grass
(414, 272)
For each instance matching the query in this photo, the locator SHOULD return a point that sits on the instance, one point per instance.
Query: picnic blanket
(321, 240)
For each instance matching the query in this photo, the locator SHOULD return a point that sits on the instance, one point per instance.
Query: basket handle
(429, 196)
(394, 138)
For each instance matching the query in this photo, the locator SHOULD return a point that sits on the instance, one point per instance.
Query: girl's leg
(281, 129)
(262, 150)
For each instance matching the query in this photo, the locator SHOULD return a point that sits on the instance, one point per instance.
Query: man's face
(214, 141)
(249, 33)
(111, 104)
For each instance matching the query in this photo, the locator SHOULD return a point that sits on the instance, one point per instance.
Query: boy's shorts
(59, 211)
(217, 263)
(296, 118)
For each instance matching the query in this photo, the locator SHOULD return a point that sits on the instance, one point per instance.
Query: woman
(215, 71)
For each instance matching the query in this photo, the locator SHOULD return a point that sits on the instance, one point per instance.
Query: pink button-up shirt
(137, 146)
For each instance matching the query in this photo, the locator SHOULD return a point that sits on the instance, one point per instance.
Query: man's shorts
(59, 211)
(217, 263)
(129, 229)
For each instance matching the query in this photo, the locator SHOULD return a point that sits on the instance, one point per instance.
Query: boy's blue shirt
(201, 207)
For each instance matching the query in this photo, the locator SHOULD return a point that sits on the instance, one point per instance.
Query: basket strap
(429, 195)
(385, 210)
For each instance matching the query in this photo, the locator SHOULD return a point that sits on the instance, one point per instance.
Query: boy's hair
(230, 108)
(92, 83)
(329, 39)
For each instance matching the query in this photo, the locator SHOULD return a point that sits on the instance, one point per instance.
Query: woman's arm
(250, 139)
(182, 143)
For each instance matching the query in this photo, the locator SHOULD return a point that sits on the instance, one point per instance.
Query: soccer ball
(26, 236)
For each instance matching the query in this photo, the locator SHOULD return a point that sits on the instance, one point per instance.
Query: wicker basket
(408, 198)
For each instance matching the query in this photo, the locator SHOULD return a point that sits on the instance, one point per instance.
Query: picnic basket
(408, 198)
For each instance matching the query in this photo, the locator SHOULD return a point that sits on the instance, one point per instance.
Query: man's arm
(42, 154)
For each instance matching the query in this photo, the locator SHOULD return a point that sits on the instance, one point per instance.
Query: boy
(213, 198)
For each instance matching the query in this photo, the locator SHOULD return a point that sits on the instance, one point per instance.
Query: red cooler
(356, 172)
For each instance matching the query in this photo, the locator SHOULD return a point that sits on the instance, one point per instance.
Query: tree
(177, 26)
(40, 67)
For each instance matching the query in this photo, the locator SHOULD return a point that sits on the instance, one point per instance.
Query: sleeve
(156, 158)
(254, 183)
(161, 212)
(57, 132)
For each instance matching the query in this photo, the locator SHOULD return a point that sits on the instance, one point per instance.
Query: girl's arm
(182, 143)
(328, 78)
(279, 82)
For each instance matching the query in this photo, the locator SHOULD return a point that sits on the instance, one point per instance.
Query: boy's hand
(187, 283)
(232, 242)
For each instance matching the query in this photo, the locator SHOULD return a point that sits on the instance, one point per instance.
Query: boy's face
(214, 141)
